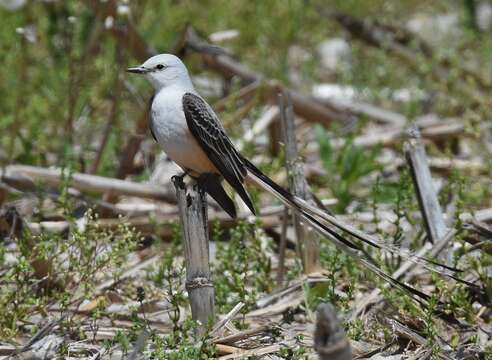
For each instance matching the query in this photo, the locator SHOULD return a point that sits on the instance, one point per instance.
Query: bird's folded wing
(208, 131)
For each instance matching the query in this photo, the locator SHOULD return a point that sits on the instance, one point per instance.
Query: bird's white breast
(169, 126)
(168, 119)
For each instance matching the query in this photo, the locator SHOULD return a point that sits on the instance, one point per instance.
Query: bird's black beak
(137, 70)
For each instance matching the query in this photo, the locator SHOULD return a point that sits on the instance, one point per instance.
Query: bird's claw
(178, 179)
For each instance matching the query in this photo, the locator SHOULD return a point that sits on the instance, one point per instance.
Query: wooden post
(330, 341)
(192, 204)
(429, 204)
(307, 240)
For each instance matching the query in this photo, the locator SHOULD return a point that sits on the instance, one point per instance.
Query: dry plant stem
(431, 129)
(192, 204)
(406, 332)
(6, 350)
(90, 183)
(226, 349)
(421, 354)
(281, 248)
(330, 341)
(247, 354)
(139, 345)
(223, 322)
(424, 188)
(45, 330)
(231, 339)
(307, 240)
(370, 111)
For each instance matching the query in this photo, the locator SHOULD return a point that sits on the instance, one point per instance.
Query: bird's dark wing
(208, 131)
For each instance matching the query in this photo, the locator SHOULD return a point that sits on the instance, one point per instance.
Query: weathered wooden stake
(307, 240)
(192, 204)
(281, 248)
(330, 341)
(429, 204)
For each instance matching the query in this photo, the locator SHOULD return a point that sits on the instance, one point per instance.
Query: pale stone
(334, 53)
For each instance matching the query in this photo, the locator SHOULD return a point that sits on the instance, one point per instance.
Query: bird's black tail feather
(211, 183)
(325, 223)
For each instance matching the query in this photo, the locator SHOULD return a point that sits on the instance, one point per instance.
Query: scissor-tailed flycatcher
(190, 132)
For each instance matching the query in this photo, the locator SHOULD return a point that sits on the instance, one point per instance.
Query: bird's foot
(178, 179)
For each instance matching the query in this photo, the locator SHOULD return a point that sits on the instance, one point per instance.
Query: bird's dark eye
(159, 67)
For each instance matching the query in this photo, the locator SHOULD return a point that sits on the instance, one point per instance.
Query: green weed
(345, 167)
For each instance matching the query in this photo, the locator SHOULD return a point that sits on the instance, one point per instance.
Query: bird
(191, 134)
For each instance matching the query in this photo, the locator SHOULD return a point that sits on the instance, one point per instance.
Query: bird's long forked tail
(325, 223)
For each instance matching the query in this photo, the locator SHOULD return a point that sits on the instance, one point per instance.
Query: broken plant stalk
(429, 204)
(307, 240)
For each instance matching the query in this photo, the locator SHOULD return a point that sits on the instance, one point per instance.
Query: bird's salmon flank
(190, 132)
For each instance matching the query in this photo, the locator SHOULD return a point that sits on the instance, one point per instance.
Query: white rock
(334, 91)
(405, 94)
(327, 91)
(28, 32)
(296, 58)
(435, 29)
(12, 5)
(123, 9)
(297, 55)
(109, 22)
(224, 35)
(334, 53)
(484, 15)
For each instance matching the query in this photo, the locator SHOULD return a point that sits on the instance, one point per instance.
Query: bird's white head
(164, 70)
